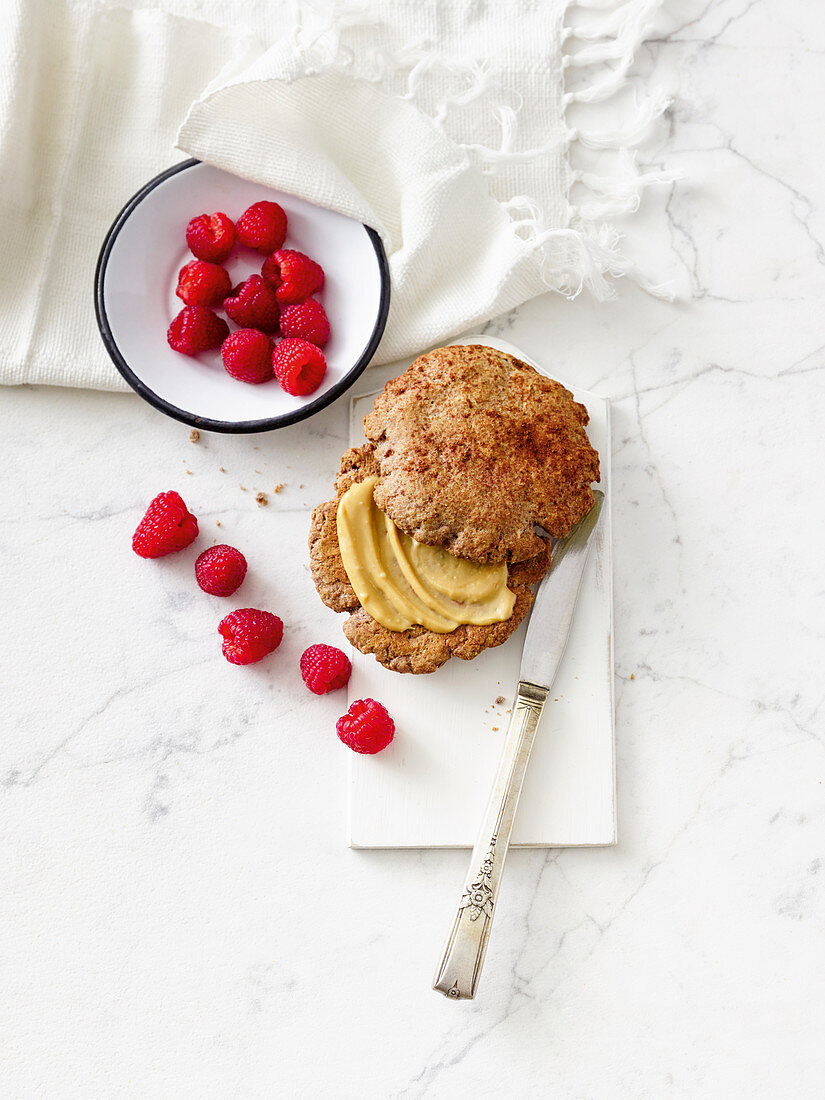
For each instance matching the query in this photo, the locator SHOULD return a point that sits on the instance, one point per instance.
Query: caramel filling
(401, 582)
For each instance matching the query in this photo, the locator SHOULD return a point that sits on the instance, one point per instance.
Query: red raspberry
(324, 668)
(196, 329)
(247, 355)
(203, 284)
(299, 366)
(220, 570)
(211, 237)
(366, 727)
(167, 527)
(253, 304)
(294, 275)
(262, 227)
(249, 635)
(306, 320)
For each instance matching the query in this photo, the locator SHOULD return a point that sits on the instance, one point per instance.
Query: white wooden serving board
(428, 789)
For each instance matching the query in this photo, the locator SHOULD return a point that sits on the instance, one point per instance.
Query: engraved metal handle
(460, 967)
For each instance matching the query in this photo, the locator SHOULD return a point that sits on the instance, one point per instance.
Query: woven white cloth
(439, 123)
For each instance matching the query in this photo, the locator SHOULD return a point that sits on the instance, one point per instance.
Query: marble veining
(181, 916)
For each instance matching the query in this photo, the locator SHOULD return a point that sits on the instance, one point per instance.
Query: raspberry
(366, 727)
(294, 275)
(262, 227)
(306, 320)
(203, 284)
(167, 527)
(220, 570)
(247, 355)
(324, 668)
(196, 329)
(211, 237)
(299, 366)
(253, 305)
(249, 635)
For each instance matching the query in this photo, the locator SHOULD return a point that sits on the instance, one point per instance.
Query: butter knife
(460, 967)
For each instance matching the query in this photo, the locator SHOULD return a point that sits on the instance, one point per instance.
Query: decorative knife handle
(458, 972)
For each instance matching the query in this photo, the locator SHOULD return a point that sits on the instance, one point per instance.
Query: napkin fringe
(588, 252)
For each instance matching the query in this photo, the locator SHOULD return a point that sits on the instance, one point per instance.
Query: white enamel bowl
(135, 299)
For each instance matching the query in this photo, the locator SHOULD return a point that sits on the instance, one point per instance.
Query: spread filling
(401, 582)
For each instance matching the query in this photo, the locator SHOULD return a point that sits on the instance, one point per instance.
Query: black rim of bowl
(236, 426)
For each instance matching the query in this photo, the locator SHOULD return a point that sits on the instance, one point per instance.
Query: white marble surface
(180, 914)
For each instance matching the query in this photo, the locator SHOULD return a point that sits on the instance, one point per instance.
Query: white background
(180, 915)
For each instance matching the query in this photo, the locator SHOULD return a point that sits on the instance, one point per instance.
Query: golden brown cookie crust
(325, 560)
(415, 650)
(475, 448)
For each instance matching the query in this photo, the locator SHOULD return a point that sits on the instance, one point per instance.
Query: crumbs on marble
(278, 487)
(217, 523)
(243, 488)
(500, 700)
(222, 470)
(495, 729)
(194, 436)
(632, 675)
(261, 499)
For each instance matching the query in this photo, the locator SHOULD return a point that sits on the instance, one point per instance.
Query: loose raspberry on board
(167, 526)
(325, 668)
(366, 727)
(220, 570)
(249, 635)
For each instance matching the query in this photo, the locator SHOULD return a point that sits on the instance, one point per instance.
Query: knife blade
(459, 970)
(555, 602)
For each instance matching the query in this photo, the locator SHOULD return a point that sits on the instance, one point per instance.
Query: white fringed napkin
(440, 124)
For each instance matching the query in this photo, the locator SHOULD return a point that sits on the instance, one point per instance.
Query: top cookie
(475, 448)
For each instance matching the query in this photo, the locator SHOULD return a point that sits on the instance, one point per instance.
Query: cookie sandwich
(443, 521)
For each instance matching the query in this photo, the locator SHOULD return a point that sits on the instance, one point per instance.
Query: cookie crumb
(495, 729)
(500, 700)
(189, 471)
(632, 675)
(278, 487)
(217, 523)
(242, 488)
(222, 469)
(194, 436)
(261, 499)
(256, 471)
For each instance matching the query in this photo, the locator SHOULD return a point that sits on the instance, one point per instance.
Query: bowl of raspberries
(236, 308)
